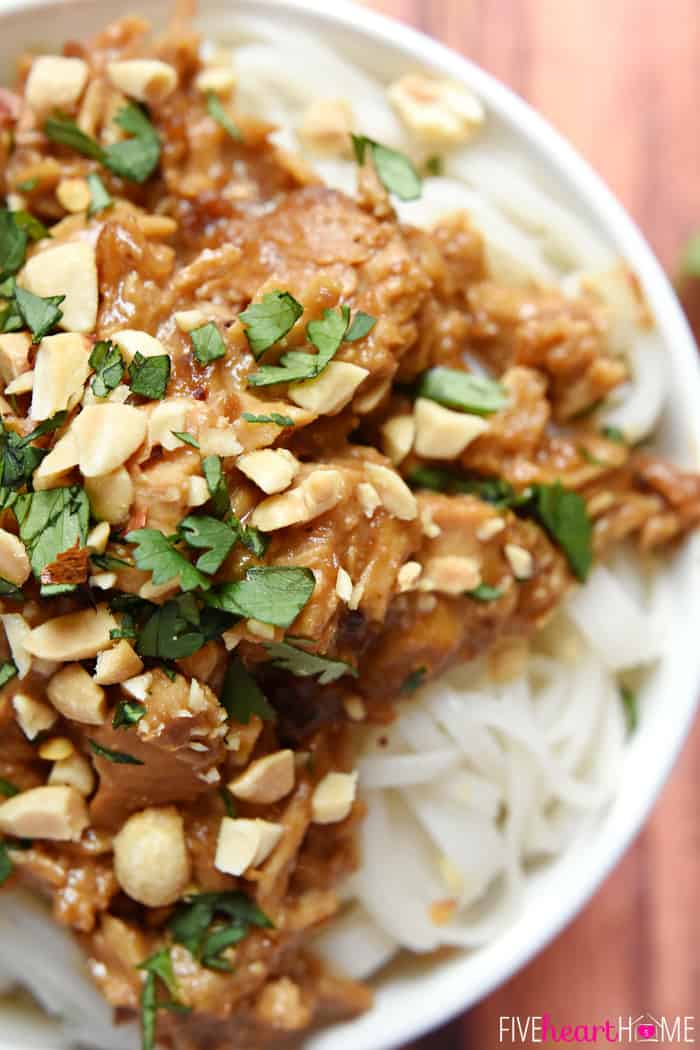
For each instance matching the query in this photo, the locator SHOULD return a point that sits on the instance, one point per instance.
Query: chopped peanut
(319, 492)
(33, 717)
(132, 341)
(150, 857)
(73, 194)
(267, 779)
(69, 270)
(110, 495)
(14, 354)
(74, 636)
(168, 416)
(23, 384)
(331, 391)
(74, 771)
(343, 585)
(245, 843)
(218, 79)
(520, 561)
(408, 575)
(18, 632)
(333, 798)
(442, 433)
(14, 562)
(440, 112)
(398, 434)
(117, 665)
(145, 79)
(393, 491)
(52, 470)
(76, 696)
(326, 127)
(60, 371)
(56, 749)
(197, 491)
(450, 574)
(272, 470)
(107, 436)
(56, 813)
(98, 538)
(55, 82)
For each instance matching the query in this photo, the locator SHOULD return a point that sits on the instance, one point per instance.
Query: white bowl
(413, 999)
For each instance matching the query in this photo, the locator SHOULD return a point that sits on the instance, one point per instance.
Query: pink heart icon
(646, 1031)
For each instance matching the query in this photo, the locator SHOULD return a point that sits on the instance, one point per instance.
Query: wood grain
(620, 79)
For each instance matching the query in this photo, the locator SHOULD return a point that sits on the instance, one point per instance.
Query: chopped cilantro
(5, 863)
(135, 158)
(190, 925)
(306, 665)
(8, 789)
(99, 197)
(11, 591)
(273, 417)
(328, 333)
(216, 483)
(32, 226)
(118, 757)
(150, 375)
(8, 670)
(227, 799)
(242, 697)
(13, 245)
(187, 438)
(563, 515)
(434, 165)
(362, 324)
(492, 490)
(158, 967)
(217, 112)
(269, 321)
(485, 593)
(39, 315)
(207, 343)
(614, 434)
(273, 594)
(414, 680)
(157, 554)
(128, 713)
(325, 334)
(629, 703)
(212, 535)
(108, 364)
(462, 390)
(395, 171)
(65, 132)
(51, 522)
(176, 629)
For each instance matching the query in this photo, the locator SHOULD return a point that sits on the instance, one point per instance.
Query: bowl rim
(577, 174)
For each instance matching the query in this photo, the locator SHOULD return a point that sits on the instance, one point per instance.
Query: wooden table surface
(621, 79)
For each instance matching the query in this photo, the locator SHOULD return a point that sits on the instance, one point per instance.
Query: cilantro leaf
(362, 325)
(190, 924)
(99, 197)
(173, 631)
(217, 112)
(395, 171)
(462, 390)
(39, 315)
(5, 863)
(273, 417)
(414, 680)
(13, 245)
(242, 697)
(7, 789)
(563, 515)
(65, 132)
(614, 434)
(492, 490)
(485, 593)
(55, 422)
(227, 799)
(204, 532)
(120, 758)
(269, 593)
(187, 438)
(216, 483)
(158, 967)
(32, 226)
(328, 333)
(128, 713)
(305, 665)
(8, 671)
(136, 158)
(629, 703)
(156, 553)
(108, 364)
(269, 321)
(150, 375)
(18, 458)
(207, 343)
(51, 522)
